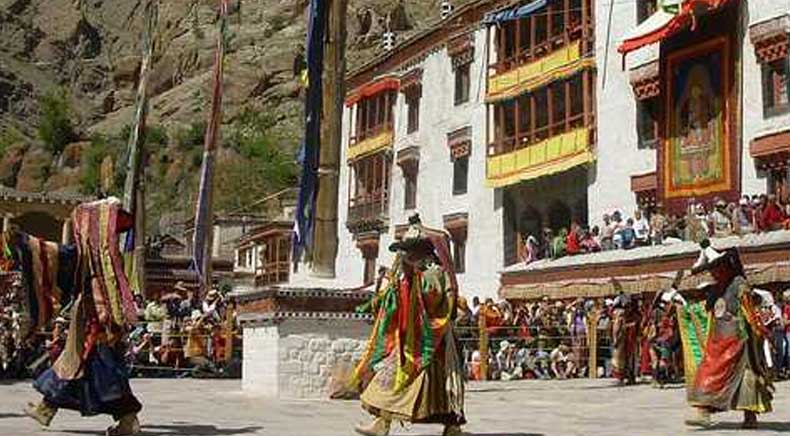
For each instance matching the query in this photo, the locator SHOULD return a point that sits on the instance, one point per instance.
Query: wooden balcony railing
(372, 132)
(535, 53)
(512, 143)
(367, 210)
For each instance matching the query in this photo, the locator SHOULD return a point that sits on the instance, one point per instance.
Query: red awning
(373, 88)
(663, 24)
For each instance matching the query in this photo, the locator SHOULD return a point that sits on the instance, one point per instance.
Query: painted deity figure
(698, 124)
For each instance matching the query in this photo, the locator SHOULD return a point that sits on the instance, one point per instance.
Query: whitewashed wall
(298, 358)
(618, 156)
(754, 124)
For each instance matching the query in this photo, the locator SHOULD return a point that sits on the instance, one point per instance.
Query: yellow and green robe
(411, 361)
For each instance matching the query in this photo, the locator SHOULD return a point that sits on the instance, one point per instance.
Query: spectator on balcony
(559, 244)
(658, 224)
(573, 240)
(697, 228)
(589, 241)
(744, 217)
(548, 243)
(720, 220)
(773, 217)
(628, 236)
(531, 250)
(641, 229)
(475, 308)
(607, 233)
(617, 229)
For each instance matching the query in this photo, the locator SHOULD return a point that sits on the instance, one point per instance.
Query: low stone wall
(299, 358)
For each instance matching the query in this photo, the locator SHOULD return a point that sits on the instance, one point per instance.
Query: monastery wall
(297, 359)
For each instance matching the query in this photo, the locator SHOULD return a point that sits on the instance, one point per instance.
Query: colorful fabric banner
(513, 13)
(204, 211)
(698, 153)
(311, 144)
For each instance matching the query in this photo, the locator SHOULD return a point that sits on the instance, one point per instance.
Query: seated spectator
(743, 221)
(628, 235)
(531, 250)
(589, 242)
(548, 244)
(641, 229)
(562, 365)
(617, 229)
(559, 244)
(573, 240)
(658, 224)
(607, 233)
(720, 221)
(773, 217)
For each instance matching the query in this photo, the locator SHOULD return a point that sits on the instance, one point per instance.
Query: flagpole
(204, 211)
(133, 196)
(326, 219)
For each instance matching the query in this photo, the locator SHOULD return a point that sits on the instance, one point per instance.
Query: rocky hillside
(68, 71)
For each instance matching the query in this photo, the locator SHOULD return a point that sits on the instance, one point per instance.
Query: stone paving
(528, 408)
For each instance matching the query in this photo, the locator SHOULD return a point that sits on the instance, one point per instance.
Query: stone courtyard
(190, 407)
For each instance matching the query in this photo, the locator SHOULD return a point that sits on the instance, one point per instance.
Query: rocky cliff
(88, 53)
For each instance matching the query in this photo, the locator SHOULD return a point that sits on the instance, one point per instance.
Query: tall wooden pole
(203, 235)
(326, 221)
(133, 195)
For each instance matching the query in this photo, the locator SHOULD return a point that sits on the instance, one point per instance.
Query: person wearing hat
(410, 370)
(720, 220)
(732, 374)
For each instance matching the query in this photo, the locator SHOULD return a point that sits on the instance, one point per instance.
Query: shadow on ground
(183, 430)
(761, 426)
(499, 434)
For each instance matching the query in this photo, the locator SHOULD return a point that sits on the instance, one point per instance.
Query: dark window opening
(645, 9)
(409, 190)
(462, 84)
(413, 105)
(776, 87)
(461, 175)
(647, 124)
(459, 255)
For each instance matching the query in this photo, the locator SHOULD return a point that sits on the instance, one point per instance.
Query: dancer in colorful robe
(411, 364)
(732, 374)
(90, 375)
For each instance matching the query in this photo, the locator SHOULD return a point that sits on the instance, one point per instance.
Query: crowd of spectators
(177, 334)
(755, 214)
(552, 340)
(180, 331)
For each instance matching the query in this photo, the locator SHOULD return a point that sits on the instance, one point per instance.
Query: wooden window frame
(459, 255)
(559, 23)
(544, 123)
(461, 182)
(375, 114)
(463, 84)
(409, 190)
(771, 105)
(647, 130)
(645, 9)
(412, 111)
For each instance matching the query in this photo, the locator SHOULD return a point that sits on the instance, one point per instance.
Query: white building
(503, 120)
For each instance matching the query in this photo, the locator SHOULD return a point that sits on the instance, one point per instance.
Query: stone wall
(300, 358)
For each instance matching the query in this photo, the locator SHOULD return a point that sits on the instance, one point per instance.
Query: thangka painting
(697, 150)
